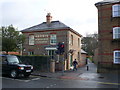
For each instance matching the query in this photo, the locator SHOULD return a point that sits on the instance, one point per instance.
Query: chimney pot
(48, 18)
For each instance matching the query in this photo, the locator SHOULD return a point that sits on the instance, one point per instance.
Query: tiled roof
(44, 26)
(106, 2)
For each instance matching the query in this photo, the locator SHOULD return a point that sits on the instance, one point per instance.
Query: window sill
(53, 44)
(116, 40)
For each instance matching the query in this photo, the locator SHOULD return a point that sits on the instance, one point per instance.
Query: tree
(90, 43)
(11, 39)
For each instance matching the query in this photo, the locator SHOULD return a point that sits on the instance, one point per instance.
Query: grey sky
(80, 15)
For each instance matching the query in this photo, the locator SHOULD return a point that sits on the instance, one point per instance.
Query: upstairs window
(117, 57)
(31, 39)
(53, 39)
(71, 40)
(78, 42)
(116, 10)
(116, 32)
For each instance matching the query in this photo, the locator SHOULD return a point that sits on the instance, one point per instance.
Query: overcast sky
(80, 15)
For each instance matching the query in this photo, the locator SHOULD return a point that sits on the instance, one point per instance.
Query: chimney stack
(48, 18)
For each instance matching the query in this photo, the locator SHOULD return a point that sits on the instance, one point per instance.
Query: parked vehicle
(14, 67)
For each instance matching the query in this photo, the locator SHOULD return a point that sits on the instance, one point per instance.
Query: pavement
(83, 74)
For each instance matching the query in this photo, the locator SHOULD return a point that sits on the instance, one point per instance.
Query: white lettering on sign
(41, 38)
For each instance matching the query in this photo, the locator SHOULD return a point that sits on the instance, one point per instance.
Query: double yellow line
(109, 83)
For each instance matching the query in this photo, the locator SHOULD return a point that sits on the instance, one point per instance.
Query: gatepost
(52, 65)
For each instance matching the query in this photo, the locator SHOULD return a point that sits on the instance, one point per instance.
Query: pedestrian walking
(75, 63)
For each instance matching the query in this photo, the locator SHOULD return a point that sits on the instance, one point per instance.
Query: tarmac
(87, 72)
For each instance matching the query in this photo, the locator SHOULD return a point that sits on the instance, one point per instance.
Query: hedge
(39, 62)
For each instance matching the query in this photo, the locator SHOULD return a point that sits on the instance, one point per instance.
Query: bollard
(87, 68)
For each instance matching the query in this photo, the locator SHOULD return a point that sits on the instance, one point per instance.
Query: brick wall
(105, 30)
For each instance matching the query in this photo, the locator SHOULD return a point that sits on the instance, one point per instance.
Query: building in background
(42, 39)
(109, 35)
(83, 58)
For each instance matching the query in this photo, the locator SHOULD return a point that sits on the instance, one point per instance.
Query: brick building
(109, 35)
(83, 58)
(43, 38)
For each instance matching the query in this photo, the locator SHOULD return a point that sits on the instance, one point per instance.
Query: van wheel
(13, 74)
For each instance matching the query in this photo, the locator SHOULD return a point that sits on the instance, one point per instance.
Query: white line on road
(20, 79)
(47, 87)
(51, 85)
(35, 79)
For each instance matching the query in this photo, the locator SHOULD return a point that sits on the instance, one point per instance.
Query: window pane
(116, 56)
(118, 35)
(119, 30)
(118, 13)
(117, 60)
(31, 40)
(53, 39)
(116, 10)
(116, 7)
(116, 32)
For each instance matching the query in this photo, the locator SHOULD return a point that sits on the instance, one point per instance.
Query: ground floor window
(78, 56)
(31, 53)
(71, 60)
(51, 53)
(117, 57)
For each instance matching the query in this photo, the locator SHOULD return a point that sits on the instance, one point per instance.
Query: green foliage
(90, 43)
(11, 39)
(41, 63)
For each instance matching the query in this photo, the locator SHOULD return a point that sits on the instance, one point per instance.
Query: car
(14, 67)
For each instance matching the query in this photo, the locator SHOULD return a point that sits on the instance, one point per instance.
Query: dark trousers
(74, 68)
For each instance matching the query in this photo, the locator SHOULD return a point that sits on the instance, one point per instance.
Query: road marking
(52, 85)
(109, 83)
(47, 87)
(8, 78)
(55, 84)
(27, 80)
(21, 80)
(35, 79)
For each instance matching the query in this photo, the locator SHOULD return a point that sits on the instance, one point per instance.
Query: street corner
(40, 75)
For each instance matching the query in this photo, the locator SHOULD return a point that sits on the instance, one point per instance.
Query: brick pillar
(52, 66)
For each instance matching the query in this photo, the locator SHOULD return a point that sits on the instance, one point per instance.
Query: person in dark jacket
(75, 63)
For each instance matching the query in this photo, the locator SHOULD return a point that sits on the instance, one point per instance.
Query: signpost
(60, 51)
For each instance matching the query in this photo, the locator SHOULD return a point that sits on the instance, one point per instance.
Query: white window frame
(116, 32)
(53, 39)
(31, 40)
(116, 57)
(51, 52)
(116, 10)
